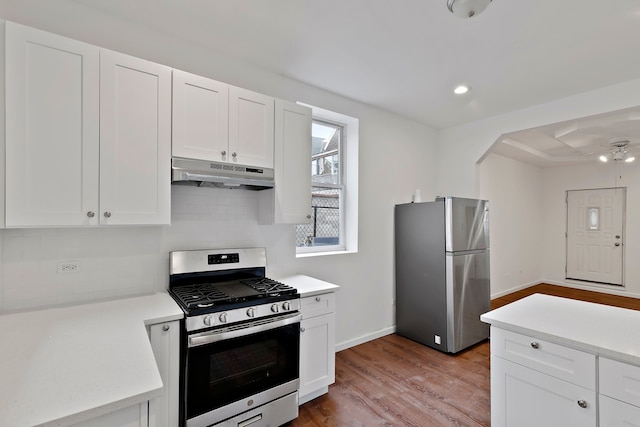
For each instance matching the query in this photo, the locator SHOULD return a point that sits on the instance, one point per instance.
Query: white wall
(396, 157)
(460, 149)
(555, 183)
(514, 191)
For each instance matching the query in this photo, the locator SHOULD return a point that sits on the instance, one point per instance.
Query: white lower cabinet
(132, 416)
(165, 341)
(317, 346)
(523, 397)
(539, 383)
(619, 394)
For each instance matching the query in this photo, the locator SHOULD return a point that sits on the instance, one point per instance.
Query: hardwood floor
(393, 381)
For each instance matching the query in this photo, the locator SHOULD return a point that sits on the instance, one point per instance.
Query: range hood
(205, 173)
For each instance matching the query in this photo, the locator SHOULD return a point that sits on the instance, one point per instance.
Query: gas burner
(267, 286)
(200, 295)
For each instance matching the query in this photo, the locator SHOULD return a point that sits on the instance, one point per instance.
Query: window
(333, 168)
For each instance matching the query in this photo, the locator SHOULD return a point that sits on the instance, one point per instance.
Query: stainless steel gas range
(240, 348)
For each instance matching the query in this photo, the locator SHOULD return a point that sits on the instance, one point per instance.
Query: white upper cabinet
(135, 140)
(218, 122)
(290, 201)
(52, 129)
(250, 128)
(87, 135)
(200, 117)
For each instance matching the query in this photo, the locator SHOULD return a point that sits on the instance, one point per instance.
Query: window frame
(348, 157)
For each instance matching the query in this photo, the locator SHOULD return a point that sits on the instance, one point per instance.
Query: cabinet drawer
(614, 413)
(620, 381)
(317, 305)
(556, 360)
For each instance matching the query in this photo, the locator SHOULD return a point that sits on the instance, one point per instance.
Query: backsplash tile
(119, 261)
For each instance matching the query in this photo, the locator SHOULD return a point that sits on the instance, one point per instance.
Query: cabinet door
(292, 163)
(523, 397)
(52, 130)
(317, 355)
(131, 416)
(135, 140)
(250, 128)
(614, 413)
(165, 341)
(200, 117)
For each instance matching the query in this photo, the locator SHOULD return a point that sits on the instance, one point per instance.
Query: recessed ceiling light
(462, 89)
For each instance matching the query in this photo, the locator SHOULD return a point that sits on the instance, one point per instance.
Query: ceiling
(406, 56)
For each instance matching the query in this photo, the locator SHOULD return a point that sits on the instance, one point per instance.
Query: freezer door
(468, 296)
(466, 223)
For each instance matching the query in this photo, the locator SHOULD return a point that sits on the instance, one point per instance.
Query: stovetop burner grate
(203, 295)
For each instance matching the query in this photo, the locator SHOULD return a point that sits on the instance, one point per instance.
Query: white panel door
(595, 236)
(200, 117)
(135, 140)
(52, 130)
(250, 128)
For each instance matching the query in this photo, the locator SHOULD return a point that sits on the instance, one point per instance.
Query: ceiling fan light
(467, 8)
(603, 158)
(630, 159)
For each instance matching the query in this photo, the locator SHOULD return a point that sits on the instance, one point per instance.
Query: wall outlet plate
(69, 267)
(437, 339)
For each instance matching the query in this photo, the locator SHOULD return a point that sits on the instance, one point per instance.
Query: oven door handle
(243, 330)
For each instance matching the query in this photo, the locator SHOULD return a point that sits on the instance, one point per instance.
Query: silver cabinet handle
(318, 299)
(166, 328)
(617, 244)
(91, 214)
(301, 329)
(582, 403)
(535, 345)
(224, 152)
(107, 214)
(308, 216)
(234, 154)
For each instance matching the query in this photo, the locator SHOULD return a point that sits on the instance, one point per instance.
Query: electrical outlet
(69, 267)
(437, 340)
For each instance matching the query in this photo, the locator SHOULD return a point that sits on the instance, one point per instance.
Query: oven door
(234, 369)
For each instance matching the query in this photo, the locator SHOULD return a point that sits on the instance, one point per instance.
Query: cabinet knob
(165, 328)
(617, 243)
(535, 345)
(91, 214)
(309, 216)
(234, 154)
(107, 214)
(301, 329)
(582, 403)
(224, 152)
(318, 299)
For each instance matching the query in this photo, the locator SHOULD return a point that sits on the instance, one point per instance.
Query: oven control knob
(207, 320)
(223, 318)
(251, 312)
(286, 305)
(275, 308)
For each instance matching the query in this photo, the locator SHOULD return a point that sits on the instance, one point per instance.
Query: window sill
(313, 254)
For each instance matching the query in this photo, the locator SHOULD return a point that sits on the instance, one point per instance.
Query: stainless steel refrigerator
(442, 272)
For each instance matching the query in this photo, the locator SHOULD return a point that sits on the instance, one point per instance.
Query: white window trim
(349, 199)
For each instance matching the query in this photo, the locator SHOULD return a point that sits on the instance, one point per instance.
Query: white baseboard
(363, 339)
(596, 287)
(517, 288)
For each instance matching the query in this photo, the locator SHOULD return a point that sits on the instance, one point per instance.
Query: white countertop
(63, 365)
(600, 329)
(307, 286)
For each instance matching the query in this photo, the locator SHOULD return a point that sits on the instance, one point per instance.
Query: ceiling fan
(618, 151)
